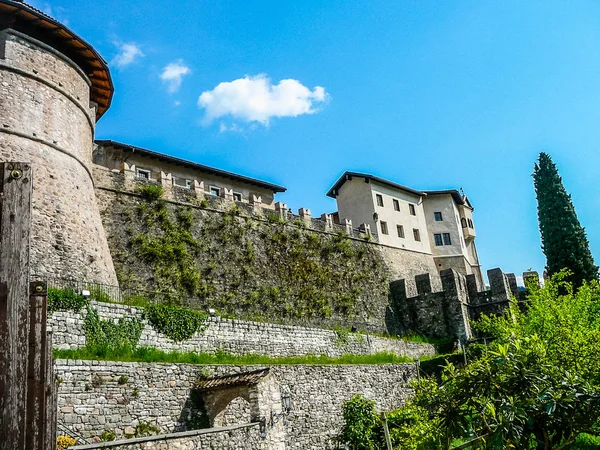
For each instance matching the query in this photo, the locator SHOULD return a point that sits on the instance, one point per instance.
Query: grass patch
(152, 355)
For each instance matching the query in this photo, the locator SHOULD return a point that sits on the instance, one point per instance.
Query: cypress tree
(563, 238)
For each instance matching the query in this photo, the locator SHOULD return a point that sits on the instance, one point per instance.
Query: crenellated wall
(448, 312)
(248, 261)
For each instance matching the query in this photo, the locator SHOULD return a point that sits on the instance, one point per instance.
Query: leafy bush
(177, 324)
(586, 442)
(151, 192)
(362, 424)
(107, 436)
(146, 429)
(535, 386)
(65, 300)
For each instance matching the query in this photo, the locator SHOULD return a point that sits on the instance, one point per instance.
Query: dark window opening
(379, 200)
(437, 216)
(400, 230)
(384, 228)
(396, 205)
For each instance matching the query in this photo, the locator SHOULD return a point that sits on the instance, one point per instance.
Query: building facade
(437, 223)
(154, 166)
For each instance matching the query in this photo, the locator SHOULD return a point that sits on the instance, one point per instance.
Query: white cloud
(128, 53)
(256, 99)
(173, 75)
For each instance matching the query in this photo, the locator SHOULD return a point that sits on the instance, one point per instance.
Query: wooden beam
(51, 397)
(15, 216)
(36, 389)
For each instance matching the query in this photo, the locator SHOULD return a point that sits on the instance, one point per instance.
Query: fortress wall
(46, 119)
(250, 266)
(237, 337)
(91, 399)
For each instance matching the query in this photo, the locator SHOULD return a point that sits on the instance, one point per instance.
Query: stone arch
(259, 389)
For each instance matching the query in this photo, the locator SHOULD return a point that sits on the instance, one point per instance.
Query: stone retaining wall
(95, 396)
(238, 337)
(230, 438)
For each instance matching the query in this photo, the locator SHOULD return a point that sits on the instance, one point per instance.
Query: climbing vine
(107, 336)
(177, 324)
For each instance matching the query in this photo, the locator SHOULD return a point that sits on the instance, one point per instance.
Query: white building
(439, 223)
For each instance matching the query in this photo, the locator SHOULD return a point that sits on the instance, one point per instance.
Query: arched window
(463, 222)
(470, 223)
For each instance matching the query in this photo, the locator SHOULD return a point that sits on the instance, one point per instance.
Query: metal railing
(114, 294)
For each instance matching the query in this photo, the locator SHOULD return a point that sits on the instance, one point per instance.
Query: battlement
(448, 312)
(125, 180)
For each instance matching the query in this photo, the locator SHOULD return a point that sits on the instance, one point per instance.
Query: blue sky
(431, 95)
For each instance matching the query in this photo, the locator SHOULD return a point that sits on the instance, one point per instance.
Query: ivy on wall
(109, 336)
(177, 324)
(243, 266)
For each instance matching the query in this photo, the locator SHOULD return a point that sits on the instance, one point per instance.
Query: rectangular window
(384, 228)
(411, 208)
(447, 240)
(396, 205)
(188, 184)
(400, 230)
(215, 191)
(237, 196)
(379, 199)
(438, 240)
(143, 174)
(417, 235)
(437, 216)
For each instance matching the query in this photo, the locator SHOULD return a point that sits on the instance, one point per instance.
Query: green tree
(563, 238)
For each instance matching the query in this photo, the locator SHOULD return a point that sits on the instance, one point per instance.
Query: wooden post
(51, 397)
(36, 389)
(388, 440)
(15, 217)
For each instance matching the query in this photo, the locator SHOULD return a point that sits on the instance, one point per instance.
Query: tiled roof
(349, 175)
(28, 20)
(239, 379)
(193, 165)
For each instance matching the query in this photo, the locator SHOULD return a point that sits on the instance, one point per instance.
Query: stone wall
(47, 120)
(228, 438)
(95, 396)
(237, 337)
(249, 262)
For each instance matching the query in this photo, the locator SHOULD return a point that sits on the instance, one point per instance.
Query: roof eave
(223, 173)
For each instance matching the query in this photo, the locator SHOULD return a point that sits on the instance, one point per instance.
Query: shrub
(146, 429)
(107, 436)
(65, 300)
(151, 192)
(177, 324)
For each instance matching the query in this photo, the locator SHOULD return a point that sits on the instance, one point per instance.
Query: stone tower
(53, 89)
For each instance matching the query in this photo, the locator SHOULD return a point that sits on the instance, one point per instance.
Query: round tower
(53, 89)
